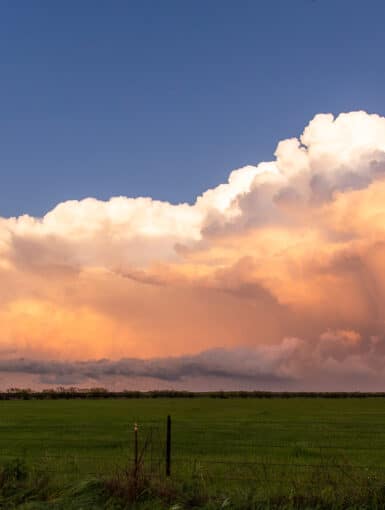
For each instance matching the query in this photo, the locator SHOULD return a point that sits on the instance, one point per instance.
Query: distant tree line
(103, 393)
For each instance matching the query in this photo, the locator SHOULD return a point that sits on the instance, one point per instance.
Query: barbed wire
(240, 463)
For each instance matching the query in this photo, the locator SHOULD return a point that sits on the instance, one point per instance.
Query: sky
(164, 99)
(192, 194)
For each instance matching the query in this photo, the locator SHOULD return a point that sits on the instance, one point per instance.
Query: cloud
(344, 356)
(291, 248)
(238, 363)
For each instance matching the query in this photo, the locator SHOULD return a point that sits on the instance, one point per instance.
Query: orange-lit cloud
(284, 260)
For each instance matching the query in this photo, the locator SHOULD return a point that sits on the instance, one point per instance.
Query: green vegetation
(238, 453)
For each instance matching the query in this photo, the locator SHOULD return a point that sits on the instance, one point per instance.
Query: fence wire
(219, 453)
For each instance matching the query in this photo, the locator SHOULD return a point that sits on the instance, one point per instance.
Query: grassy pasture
(274, 442)
(276, 446)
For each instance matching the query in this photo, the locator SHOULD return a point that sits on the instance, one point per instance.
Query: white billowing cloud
(331, 145)
(221, 199)
(344, 137)
(139, 229)
(332, 155)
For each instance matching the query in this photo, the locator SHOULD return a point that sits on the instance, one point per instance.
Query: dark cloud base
(328, 364)
(216, 363)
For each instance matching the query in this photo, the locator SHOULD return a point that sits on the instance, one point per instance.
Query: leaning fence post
(136, 449)
(168, 447)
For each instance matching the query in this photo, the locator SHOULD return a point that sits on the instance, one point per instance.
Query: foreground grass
(24, 489)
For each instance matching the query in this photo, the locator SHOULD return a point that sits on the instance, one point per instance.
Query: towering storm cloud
(275, 277)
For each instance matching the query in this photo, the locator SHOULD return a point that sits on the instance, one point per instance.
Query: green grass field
(94, 434)
(270, 443)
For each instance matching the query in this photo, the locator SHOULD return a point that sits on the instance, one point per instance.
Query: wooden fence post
(136, 450)
(168, 447)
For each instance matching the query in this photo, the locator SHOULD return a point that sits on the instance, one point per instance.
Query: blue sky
(103, 98)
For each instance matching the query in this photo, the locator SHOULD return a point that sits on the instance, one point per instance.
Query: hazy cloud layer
(335, 360)
(286, 253)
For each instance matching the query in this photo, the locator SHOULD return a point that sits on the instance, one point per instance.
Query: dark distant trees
(63, 392)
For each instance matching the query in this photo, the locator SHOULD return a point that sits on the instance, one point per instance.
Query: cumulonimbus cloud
(290, 248)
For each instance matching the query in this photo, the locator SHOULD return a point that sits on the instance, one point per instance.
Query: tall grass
(135, 489)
